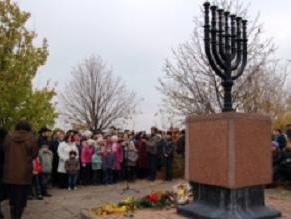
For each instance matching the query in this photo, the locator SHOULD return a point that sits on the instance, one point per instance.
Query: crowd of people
(32, 163)
(281, 144)
(104, 158)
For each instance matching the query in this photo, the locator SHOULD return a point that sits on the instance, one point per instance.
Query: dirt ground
(67, 205)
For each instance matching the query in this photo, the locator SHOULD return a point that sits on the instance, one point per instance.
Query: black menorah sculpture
(228, 183)
(225, 47)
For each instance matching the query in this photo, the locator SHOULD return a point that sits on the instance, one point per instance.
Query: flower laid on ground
(108, 209)
(153, 197)
(180, 195)
(184, 194)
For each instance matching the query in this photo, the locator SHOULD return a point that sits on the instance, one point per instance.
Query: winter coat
(107, 161)
(3, 135)
(96, 161)
(20, 149)
(131, 157)
(152, 144)
(181, 145)
(72, 166)
(86, 154)
(168, 149)
(142, 161)
(281, 139)
(46, 159)
(63, 152)
(118, 155)
(54, 148)
(2, 186)
(37, 167)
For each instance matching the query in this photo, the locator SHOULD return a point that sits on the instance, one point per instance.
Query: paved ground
(67, 205)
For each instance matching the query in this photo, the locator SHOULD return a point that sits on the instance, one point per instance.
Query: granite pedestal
(229, 156)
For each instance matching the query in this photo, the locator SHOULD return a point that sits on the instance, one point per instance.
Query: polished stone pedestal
(221, 203)
(230, 150)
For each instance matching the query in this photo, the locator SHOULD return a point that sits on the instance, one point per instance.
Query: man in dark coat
(3, 134)
(181, 143)
(168, 155)
(20, 148)
(152, 149)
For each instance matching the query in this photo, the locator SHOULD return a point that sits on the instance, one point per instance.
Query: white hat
(91, 142)
(114, 138)
(87, 134)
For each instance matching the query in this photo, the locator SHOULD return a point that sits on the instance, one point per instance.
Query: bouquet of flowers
(108, 209)
(157, 200)
(180, 195)
(183, 194)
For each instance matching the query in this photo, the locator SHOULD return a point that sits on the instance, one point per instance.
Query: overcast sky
(133, 36)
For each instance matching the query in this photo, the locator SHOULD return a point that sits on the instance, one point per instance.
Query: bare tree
(191, 87)
(95, 99)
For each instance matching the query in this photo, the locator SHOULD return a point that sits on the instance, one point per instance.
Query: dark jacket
(168, 149)
(3, 134)
(72, 166)
(142, 161)
(54, 148)
(20, 149)
(282, 141)
(108, 161)
(152, 144)
(181, 145)
(43, 141)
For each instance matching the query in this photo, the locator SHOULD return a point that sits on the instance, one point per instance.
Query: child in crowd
(97, 166)
(46, 160)
(37, 179)
(107, 165)
(131, 156)
(72, 166)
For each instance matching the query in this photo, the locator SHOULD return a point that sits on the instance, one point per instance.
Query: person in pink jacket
(118, 157)
(86, 159)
